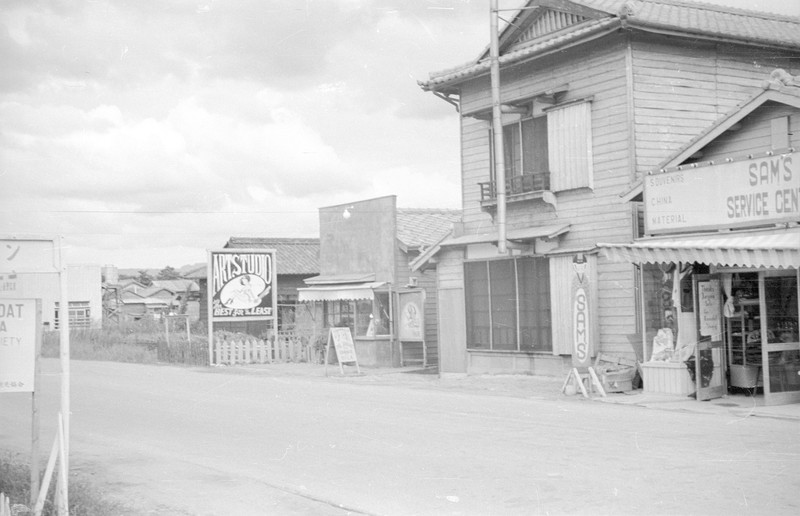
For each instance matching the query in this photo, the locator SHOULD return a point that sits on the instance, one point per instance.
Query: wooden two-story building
(594, 94)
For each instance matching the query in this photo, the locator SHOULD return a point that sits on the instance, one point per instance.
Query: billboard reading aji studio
(242, 285)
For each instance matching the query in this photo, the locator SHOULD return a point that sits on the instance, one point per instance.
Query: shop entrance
(761, 333)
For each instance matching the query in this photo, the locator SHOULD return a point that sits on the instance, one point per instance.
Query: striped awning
(342, 292)
(774, 249)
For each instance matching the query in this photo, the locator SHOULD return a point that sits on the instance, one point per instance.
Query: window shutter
(569, 137)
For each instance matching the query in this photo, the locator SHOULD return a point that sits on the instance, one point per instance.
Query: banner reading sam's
(732, 194)
(242, 284)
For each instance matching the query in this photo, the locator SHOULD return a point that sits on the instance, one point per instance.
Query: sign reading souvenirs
(755, 191)
(18, 327)
(241, 285)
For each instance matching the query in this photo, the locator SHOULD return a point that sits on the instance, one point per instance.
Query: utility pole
(497, 128)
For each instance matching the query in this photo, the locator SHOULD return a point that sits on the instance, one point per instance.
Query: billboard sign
(749, 192)
(242, 285)
(18, 326)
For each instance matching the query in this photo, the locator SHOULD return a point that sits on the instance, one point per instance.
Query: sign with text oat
(242, 285)
(18, 326)
(742, 193)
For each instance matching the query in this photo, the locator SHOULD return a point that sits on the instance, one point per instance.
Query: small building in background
(365, 281)
(83, 292)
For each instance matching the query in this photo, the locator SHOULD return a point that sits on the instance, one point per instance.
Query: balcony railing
(516, 186)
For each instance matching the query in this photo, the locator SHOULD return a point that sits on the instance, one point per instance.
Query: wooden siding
(681, 89)
(754, 135)
(452, 312)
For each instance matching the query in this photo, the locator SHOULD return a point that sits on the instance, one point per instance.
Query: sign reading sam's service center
(735, 194)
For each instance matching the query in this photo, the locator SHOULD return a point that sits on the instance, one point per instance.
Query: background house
(365, 281)
(83, 291)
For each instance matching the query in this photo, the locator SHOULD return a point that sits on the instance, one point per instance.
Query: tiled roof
(292, 255)
(692, 19)
(177, 286)
(420, 228)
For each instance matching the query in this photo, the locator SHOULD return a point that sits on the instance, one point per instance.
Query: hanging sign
(242, 285)
(581, 344)
(18, 326)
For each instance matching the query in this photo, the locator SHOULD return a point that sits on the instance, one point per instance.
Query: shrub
(84, 500)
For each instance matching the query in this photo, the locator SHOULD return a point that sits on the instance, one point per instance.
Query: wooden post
(35, 416)
(63, 320)
(497, 128)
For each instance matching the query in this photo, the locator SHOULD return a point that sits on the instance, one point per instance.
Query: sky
(145, 132)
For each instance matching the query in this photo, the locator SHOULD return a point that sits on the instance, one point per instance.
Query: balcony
(518, 188)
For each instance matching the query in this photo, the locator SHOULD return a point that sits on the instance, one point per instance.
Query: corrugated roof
(292, 255)
(693, 19)
(420, 228)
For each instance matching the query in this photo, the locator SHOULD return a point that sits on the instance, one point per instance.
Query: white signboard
(710, 309)
(18, 327)
(28, 255)
(736, 194)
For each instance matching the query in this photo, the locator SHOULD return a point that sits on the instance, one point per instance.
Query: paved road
(170, 440)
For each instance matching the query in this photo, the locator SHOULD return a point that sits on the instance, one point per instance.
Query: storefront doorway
(762, 346)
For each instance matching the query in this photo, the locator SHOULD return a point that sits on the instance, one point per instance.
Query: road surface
(170, 440)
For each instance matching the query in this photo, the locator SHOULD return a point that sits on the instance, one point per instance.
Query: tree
(168, 273)
(144, 278)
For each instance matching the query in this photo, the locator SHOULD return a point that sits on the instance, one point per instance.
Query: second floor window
(552, 151)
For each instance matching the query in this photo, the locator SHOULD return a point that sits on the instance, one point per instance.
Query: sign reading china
(241, 284)
(736, 194)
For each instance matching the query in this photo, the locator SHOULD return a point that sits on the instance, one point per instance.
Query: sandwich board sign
(345, 349)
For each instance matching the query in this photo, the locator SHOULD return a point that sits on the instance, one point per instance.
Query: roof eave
(670, 30)
(480, 68)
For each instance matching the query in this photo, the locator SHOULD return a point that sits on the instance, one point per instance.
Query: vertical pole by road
(497, 128)
(35, 415)
(63, 325)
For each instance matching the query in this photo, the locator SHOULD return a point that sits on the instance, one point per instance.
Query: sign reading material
(344, 346)
(735, 194)
(17, 345)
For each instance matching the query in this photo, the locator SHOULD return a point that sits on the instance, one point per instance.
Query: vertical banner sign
(581, 347)
(17, 345)
(242, 285)
(710, 309)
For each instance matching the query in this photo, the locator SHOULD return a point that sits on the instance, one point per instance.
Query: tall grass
(142, 342)
(84, 499)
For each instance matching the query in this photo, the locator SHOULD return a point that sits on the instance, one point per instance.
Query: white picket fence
(286, 347)
(5, 505)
